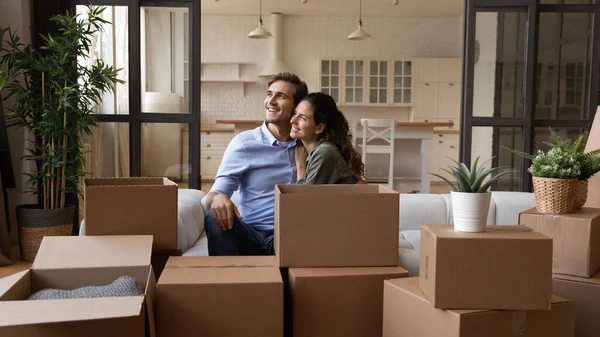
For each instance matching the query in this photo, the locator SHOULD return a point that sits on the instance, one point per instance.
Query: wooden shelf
(446, 132)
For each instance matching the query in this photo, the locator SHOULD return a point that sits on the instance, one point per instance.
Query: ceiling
(409, 8)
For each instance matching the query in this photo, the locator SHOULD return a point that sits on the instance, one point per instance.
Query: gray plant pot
(34, 223)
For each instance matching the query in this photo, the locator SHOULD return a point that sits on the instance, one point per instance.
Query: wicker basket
(581, 193)
(35, 223)
(554, 196)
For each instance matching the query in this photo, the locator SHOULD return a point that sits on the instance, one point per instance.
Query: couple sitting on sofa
(305, 139)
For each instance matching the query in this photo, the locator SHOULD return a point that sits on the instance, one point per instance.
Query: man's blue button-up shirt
(253, 163)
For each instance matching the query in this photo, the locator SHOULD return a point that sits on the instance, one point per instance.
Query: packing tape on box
(228, 266)
(519, 322)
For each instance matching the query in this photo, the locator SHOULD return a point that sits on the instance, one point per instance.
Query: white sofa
(415, 210)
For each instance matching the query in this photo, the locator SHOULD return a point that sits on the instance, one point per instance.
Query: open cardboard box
(336, 226)
(133, 206)
(74, 262)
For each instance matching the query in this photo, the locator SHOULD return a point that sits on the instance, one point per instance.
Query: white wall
(305, 40)
(15, 14)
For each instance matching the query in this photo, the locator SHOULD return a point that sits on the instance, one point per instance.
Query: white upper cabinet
(449, 70)
(330, 78)
(367, 82)
(354, 81)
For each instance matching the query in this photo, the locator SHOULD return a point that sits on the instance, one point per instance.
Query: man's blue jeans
(242, 239)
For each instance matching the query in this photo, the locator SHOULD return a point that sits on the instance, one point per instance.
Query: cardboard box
(336, 225)
(74, 262)
(586, 294)
(407, 313)
(220, 296)
(338, 302)
(506, 267)
(132, 206)
(593, 143)
(576, 239)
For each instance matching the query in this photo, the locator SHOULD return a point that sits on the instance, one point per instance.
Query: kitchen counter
(399, 123)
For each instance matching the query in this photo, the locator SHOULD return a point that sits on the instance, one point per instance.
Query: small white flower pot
(470, 211)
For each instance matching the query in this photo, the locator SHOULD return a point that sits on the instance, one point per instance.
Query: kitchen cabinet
(366, 82)
(438, 99)
(213, 143)
(212, 147)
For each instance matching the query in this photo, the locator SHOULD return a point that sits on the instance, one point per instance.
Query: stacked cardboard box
(224, 296)
(336, 245)
(75, 262)
(496, 283)
(134, 206)
(576, 261)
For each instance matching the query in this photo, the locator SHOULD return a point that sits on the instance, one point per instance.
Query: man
(255, 161)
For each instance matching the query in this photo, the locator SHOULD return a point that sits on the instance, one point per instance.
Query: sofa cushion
(418, 209)
(510, 204)
(200, 248)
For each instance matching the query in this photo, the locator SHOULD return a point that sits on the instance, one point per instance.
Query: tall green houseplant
(55, 99)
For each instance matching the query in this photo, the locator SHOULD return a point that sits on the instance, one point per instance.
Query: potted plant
(560, 174)
(55, 99)
(589, 163)
(470, 196)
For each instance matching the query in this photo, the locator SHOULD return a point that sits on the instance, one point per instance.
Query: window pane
(335, 67)
(358, 82)
(325, 81)
(165, 151)
(382, 96)
(397, 82)
(373, 82)
(373, 96)
(164, 39)
(407, 96)
(408, 68)
(107, 150)
(349, 81)
(498, 80)
(373, 68)
(488, 142)
(349, 67)
(111, 46)
(563, 66)
(383, 68)
(359, 67)
(407, 82)
(398, 67)
(542, 135)
(383, 82)
(397, 95)
(325, 67)
(335, 82)
(358, 95)
(349, 95)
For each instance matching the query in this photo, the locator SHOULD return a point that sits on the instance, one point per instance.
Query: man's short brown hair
(300, 88)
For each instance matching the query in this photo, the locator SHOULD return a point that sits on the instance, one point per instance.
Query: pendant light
(260, 32)
(360, 33)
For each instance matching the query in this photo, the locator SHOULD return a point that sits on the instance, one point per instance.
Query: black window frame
(137, 116)
(527, 121)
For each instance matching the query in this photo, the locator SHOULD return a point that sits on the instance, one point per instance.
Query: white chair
(378, 137)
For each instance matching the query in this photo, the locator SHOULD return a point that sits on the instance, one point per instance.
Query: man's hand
(223, 211)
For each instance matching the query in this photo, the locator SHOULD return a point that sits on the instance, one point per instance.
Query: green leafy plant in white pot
(470, 196)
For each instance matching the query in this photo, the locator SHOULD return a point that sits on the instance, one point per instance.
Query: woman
(324, 152)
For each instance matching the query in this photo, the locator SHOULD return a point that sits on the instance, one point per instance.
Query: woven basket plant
(560, 174)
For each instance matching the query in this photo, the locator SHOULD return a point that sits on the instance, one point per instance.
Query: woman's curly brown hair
(337, 130)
